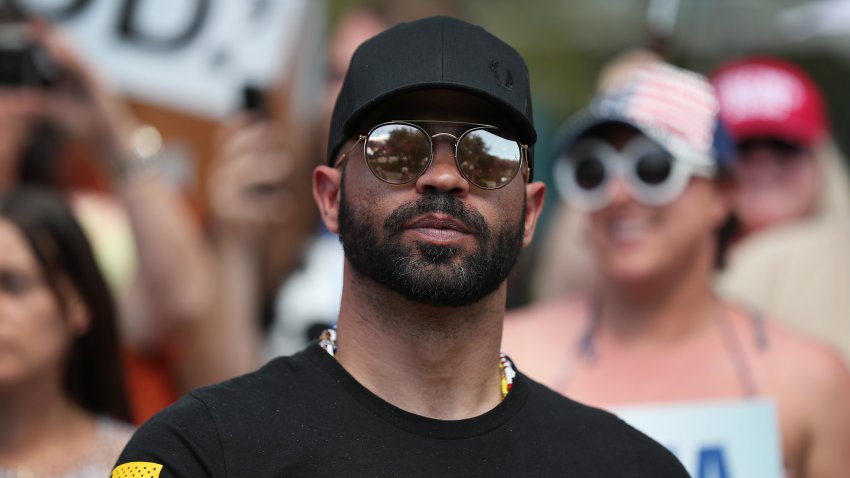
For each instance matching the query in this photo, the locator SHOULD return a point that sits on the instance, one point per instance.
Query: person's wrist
(238, 241)
(138, 154)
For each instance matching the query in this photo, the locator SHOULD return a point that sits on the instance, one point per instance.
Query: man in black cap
(428, 184)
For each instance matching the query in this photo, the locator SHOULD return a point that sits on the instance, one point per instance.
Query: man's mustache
(436, 202)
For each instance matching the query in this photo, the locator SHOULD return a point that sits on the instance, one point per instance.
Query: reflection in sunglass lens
(488, 160)
(590, 173)
(398, 153)
(654, 168)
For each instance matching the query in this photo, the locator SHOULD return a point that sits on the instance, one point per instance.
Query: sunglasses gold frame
(456, 139)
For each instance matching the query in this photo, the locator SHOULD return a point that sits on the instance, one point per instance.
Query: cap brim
(524, 129)
(585, 121)
(589, 119)
(786, 132)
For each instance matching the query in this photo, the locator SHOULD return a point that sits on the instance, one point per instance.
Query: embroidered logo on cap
(508, 81)
(137, 469)
(759, 92)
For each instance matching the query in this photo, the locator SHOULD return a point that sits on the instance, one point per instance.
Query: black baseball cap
(435, 52)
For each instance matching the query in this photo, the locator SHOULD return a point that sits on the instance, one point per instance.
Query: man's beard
(430, 273)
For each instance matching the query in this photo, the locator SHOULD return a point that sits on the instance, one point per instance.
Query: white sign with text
(192, 55)
(718, 439)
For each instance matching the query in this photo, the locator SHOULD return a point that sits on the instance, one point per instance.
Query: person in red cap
(776, 115)
(789, 256)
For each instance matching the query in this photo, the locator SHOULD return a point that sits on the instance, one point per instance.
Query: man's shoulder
(279, 380)
(205, 426)
(239, 396)
(599, 433)
(560, 410)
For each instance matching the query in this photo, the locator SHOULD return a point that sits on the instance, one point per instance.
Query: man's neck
(437, 362)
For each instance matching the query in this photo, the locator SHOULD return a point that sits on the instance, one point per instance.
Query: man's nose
(443, 174)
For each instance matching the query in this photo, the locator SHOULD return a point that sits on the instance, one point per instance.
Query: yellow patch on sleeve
(137, 469)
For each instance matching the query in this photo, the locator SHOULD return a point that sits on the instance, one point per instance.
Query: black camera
(23, 63)
(254, 100)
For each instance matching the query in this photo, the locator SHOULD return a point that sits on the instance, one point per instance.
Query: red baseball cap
(770, 97)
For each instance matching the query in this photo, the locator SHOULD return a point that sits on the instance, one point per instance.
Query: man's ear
(534, 194)
(326, 191)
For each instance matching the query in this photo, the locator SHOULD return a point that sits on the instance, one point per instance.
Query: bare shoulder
(801, 364)
(813, 356)
(813, 384)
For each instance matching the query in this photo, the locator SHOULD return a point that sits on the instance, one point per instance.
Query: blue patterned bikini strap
(736, 349)
(587, 344)
(759, 328)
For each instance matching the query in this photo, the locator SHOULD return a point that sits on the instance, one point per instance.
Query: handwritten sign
(192, 55)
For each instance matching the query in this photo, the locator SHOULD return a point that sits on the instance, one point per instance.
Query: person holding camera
(146, 240)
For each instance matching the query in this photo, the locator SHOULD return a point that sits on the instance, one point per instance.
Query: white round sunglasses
(652, 174)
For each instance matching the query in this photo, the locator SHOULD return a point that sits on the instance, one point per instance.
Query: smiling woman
(62, 395)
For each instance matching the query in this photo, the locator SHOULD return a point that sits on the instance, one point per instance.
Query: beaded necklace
(327, 341)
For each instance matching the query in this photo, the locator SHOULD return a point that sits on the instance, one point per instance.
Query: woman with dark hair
(62, 397)
(75, 136)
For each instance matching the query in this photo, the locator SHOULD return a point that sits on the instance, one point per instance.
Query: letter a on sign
(712, 463)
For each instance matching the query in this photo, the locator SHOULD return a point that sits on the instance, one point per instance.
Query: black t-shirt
(306, 416)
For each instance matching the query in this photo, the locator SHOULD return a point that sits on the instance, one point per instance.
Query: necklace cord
(327, 341)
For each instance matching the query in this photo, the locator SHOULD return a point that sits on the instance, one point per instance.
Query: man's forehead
(440, 105)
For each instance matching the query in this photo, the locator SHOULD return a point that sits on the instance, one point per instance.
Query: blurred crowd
(700, 249)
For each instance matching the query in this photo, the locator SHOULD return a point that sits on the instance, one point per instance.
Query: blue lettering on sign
(712, 463)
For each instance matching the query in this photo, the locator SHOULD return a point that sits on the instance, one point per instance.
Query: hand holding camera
(23, 63)
(42, 77)
(249, 183)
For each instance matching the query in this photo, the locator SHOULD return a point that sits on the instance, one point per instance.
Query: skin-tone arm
(174, 279)
(828, 454)
(251, 199)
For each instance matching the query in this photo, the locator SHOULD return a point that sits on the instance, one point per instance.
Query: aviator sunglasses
(652, 175)
(398, 152)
